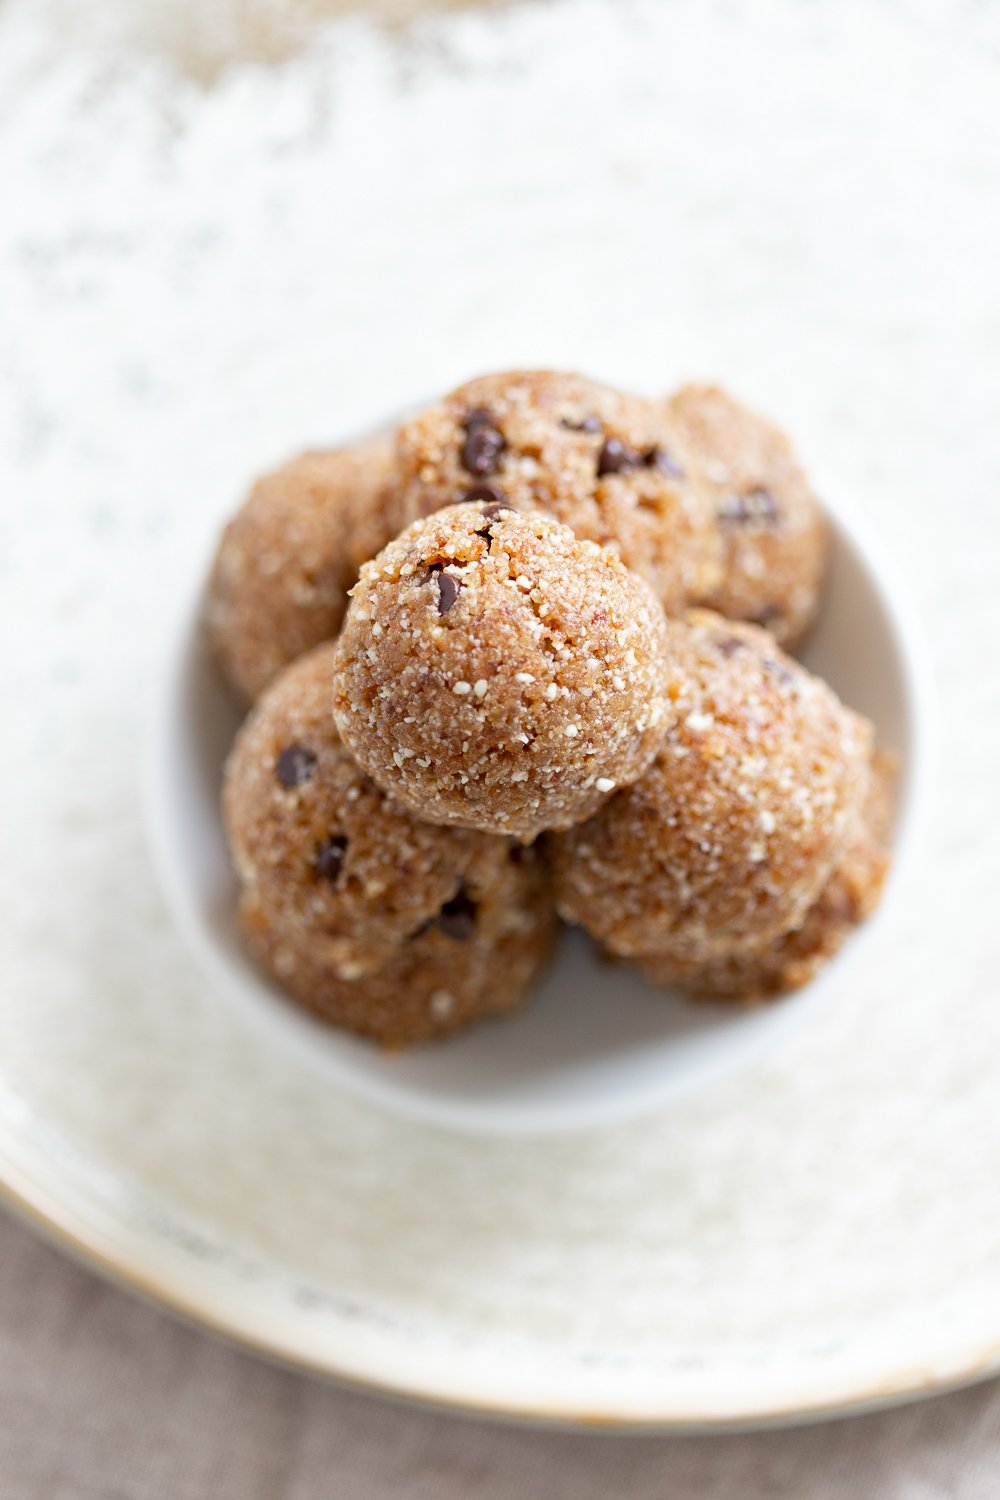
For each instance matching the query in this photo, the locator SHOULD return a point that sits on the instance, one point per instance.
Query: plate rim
(68, 1231)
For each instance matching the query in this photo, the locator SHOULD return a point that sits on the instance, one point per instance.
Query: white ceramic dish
(597, 1045)
(778, 1246)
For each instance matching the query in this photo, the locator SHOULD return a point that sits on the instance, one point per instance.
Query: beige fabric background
(103, 1398)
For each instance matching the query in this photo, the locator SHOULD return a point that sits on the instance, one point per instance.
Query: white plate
(781, 1245)
(597, 1044)
(817, 1234)
(764, 198)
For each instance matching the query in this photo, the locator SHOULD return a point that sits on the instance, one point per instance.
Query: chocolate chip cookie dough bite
(771, 531)
(381, 923)
(751, 804)
(611, 466)
(287, 558)
(849, 897)
(440, 982)
(495, 672)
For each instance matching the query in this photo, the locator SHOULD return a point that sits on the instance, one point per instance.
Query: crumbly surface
(432, 986)
(344, 877)
(495, 672)
(849, 897)
(279, 582)
(770, 526)
(611, 466)
(749, 807)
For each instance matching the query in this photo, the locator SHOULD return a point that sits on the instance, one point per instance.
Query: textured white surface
(803, 200)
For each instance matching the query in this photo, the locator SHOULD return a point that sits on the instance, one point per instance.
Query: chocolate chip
(295, 764)
(659, 458)
(492, 512)
(779, 671)
(484, 443)
(484, 492)
(330, 857)
(763, 503)
(457, 917)
(582, 424)
(728, 645)
(617, 457)
(449, 589)
(754, 507)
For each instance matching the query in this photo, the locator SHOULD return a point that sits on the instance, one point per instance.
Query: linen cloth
(105, 1398)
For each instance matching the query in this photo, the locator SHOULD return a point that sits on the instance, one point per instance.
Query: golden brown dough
(751, 804)
(496, 673)
(287, 558)
(849, 897)
(611, 466)
(360, 911)
(771, 529)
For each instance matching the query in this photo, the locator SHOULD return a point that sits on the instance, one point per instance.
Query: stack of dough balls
(527, 656)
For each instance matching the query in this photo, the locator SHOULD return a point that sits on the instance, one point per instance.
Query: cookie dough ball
(770, 526)
(849, 897)
(496, 673)
(611, 466)
(346, 876)
(287, 558)
(440, 981)
(371, 920)
(749, 807)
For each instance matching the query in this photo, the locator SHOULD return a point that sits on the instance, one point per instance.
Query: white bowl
(596, 1044)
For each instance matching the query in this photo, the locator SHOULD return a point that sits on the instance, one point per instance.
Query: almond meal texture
(495, 672)
(612, 466)
(752, 803)
(771, 530)
(288, 557)
(363, 913)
